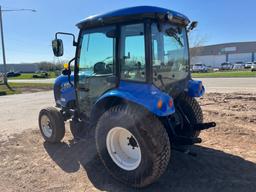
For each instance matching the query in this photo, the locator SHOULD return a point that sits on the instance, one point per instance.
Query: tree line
(50, 66)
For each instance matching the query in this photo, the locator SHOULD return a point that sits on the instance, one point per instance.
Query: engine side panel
(64, 93)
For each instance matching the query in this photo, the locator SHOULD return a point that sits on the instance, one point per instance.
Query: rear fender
(145, 95)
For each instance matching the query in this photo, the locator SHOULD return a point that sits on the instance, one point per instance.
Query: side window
(133, 66)
(97, 52)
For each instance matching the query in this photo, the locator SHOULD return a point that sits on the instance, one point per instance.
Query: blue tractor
(132, 84)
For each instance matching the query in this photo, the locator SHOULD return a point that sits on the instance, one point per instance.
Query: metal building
(24, 68)
(214, 55)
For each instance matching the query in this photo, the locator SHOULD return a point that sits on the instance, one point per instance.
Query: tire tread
(57, 122)
(156, 133)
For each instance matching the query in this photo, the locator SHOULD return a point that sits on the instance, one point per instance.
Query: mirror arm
(71, 34)
(69, 63)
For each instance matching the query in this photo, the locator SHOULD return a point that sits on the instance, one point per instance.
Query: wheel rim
(123, 148)
(46, 127)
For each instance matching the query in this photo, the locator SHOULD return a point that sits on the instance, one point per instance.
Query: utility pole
(3, 49)
(2, 39)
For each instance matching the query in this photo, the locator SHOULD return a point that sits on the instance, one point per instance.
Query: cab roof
(130, 14)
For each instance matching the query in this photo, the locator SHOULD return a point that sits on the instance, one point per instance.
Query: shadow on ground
(211, 170)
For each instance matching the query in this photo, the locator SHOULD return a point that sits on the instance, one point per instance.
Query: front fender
(63, 91)
(146, 95)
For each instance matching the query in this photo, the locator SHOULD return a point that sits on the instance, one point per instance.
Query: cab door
(96, 65)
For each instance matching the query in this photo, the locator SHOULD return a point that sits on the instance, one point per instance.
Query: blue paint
(143, 94)
(63, 91)
(146, 95)
(195, 88)
(132, 11)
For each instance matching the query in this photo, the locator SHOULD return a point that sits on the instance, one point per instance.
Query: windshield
(170, 54)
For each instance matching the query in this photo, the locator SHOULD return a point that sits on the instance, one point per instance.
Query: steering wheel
(101, 68)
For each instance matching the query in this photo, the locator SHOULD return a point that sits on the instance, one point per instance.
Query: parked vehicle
(226, 66)
(240, 63)
(199, 68)
(139, 112)
(13, 74)
(215, 69)
(41, 74)
(238, 66)
(248, 65)
(253, 67)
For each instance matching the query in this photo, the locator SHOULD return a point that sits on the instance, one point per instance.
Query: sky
(28, 35)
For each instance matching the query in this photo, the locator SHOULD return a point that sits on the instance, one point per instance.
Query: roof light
(169, 16)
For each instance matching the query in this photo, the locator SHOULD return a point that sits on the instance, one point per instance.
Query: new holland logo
(65, 86)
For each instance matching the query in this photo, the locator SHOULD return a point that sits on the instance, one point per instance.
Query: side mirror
(192, 26)
(57, 47)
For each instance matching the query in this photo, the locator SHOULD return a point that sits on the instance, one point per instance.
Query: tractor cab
(132, 85)
(128, 49)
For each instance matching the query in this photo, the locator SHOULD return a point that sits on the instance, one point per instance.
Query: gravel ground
(225, 161)
(20, 112)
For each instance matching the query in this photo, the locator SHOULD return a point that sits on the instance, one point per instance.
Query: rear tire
(51, 124)
(133, 145)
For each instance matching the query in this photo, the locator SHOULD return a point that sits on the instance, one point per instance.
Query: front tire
(133, 145)
(193, 112)
(51, 124)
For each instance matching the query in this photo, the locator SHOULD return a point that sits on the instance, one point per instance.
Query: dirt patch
(225, 161)
(34, 89)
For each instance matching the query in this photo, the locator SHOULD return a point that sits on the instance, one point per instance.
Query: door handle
(84, 89)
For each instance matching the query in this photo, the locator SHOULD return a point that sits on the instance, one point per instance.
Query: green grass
(24, 87)
(18, 85)
(5, 91)
(225, 74)
(30, 76)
